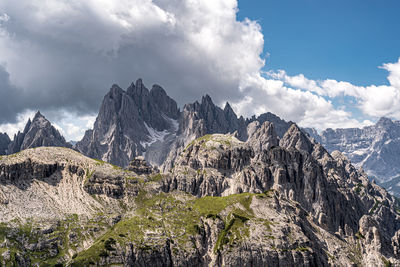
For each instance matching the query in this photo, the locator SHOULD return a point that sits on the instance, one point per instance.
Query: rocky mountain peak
(207, 101)
(229, 112)
(149, 123)
(139, 84)
(384, 122)
(167, 105)
(130, 123)
(281, 126)
(38, 116)
(38, 132)
(115, 90)
(27, 126)
(262, 137)
(374, 148)
(4, 142)
(140, 166)
(295, 138)
(228, 108)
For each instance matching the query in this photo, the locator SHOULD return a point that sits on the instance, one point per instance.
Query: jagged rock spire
(38, 132)
(295, 138)
(4, 142)
(262, 137)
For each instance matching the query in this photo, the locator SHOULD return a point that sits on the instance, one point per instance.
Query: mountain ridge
(142, 122)
(37, 132)
(226, 202)
(373, 148)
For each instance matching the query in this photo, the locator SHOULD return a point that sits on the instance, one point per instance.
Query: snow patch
(154, 136)
(360, 152)
(108, 135)
(159, 136)
(174, 123)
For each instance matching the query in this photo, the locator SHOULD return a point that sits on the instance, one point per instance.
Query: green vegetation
(302, 249)
(108, 245)
(60, 241)
(358, 188)
(268, 225)
(355, 254)
(115, 167)
(100, 162)
(65, 235)
(163, 217)
(222, 139)
(89, 174)
(359, 235)
(376, 205)
(234, 230)
(386, 263)
(155, 178)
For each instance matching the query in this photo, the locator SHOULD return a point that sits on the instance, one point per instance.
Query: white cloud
(304, 107)
(22, 118)
(62, 56)
(373, 101)
(71, 125)
(4, 17)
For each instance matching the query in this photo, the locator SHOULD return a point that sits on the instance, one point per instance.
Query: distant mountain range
(38, 132)
(225, 191)
(374, 148)
(142, 122)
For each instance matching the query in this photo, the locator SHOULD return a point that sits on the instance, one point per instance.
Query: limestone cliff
(226, 202)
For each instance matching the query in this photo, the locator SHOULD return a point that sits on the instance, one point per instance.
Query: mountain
(142, 122)
(4, 142)
(38, 132)
(130, 123)
(267, 201)
(374, 148)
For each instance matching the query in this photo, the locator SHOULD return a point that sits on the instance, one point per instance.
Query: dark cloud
(62, 56)
(67, 54)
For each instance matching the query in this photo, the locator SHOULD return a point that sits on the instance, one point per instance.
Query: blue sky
(342, 40)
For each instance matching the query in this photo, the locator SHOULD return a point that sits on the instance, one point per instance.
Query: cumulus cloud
(68, 53)
(305, 107)
(373, 101)
(12, 128)
(62, 56)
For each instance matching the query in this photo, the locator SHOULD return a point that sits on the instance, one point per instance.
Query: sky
(322, 64)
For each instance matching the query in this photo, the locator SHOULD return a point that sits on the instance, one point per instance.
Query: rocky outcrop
(329, 188)
(140, 166)
(142, 122)
(130, 123)
(203, 118)
(266, 201)
(280, 125)
(374, 148)
(37, 133)
(4, 142)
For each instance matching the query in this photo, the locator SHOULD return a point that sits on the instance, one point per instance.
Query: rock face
(139, 122)
(4, 142)
(338, 198)
(373, 148)
(38, 132)
(142, 122)
(140, 166)
(268, 201)
(130, 123)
